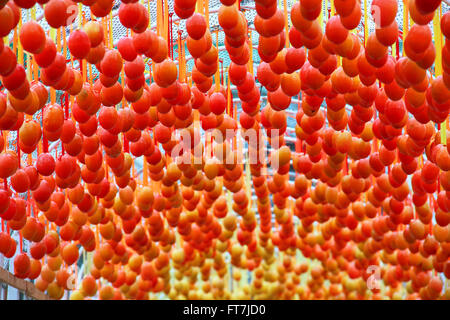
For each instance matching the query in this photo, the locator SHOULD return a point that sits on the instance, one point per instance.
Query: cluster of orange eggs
(371, 158)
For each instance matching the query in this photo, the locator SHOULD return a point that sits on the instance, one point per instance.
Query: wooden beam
(20, 284)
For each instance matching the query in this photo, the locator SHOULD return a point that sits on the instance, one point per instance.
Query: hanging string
(217, 74)
(206, 5)
(165, 20)
(159, 23)
(21, 242)
(18, 148)
(286, 23)
(182, 60)
(438, 62)
(221, 72)
(169, 38)
(44, 139)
